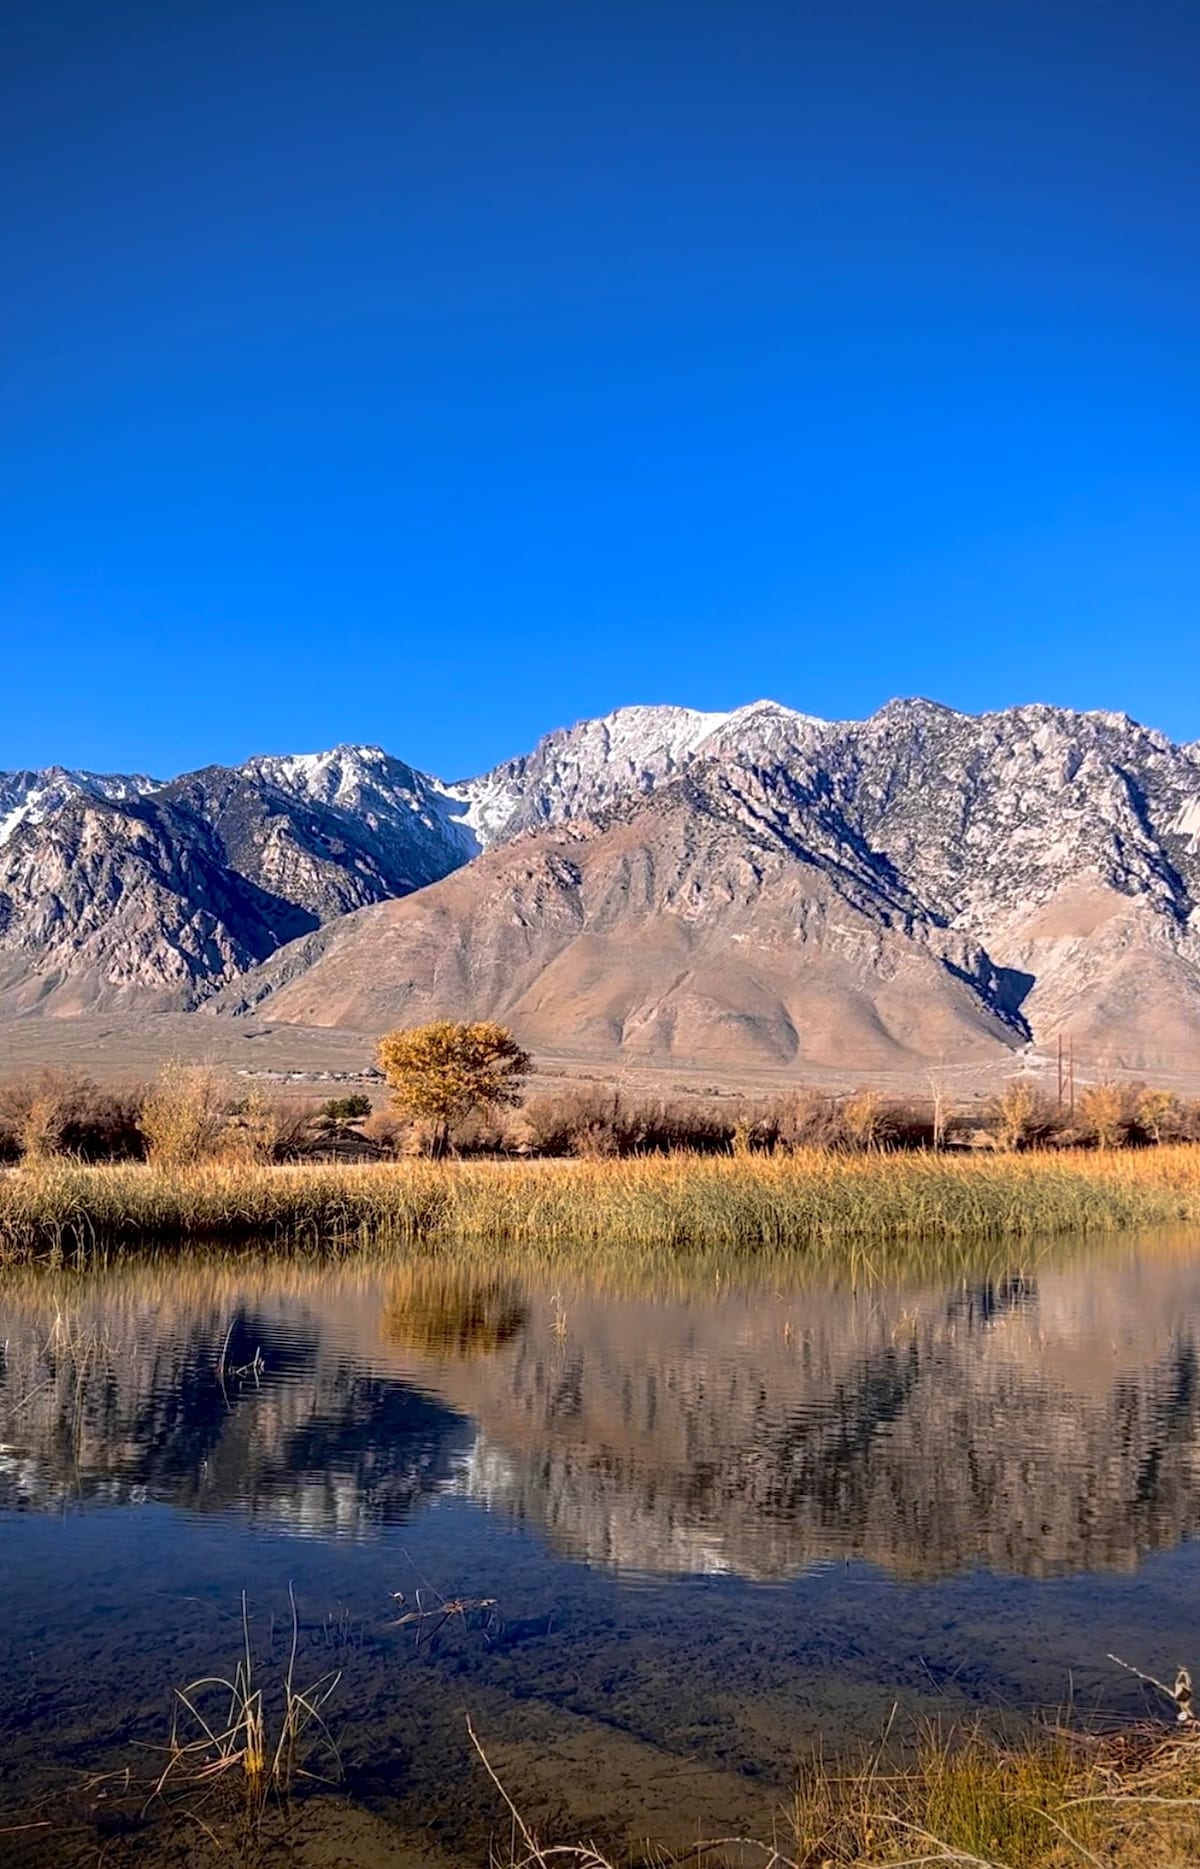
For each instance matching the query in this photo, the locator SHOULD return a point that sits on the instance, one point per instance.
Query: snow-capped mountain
(120, 893)
(1030, 871)
(576, 771)
(28, 797)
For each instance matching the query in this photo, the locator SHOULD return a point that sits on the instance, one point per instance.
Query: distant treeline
(191, 1114)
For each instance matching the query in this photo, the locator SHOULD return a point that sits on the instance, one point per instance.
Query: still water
(655, 1544)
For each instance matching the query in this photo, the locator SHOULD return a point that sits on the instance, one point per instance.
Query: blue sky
(433, 374)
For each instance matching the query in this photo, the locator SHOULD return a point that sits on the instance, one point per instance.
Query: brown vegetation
(183, 1116)
(62, 1112)
(191, 1114)
(953, 1796)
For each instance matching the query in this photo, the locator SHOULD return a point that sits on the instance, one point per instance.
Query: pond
(655, 1543)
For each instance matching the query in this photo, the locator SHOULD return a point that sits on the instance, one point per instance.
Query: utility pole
(1071, 1070)
(1060, 1072)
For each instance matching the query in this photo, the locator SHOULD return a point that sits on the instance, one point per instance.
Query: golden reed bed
(814, 1201)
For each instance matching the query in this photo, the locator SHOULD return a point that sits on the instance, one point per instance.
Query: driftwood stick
(1180, 1694)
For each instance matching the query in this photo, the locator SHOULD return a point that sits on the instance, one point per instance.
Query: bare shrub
(183, 1115)
(294, 1121)
(1159, 1115)
(386, 1130)
(542, 1127)
(1022, 1115)
(580, 1122)
(602, 1125)
(107, 1127)
(912, 1124)
(1106, 1114)
(480, 1133)
(595, 1124)
(808, 1119)
(418, 1137)
(62, 1112)
(251, 1132)
(740, 1141)
(699, 1124)
(36, 1110)
(41, 1129)
(862, 1118)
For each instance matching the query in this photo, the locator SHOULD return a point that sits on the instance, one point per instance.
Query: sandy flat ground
(127, 1048)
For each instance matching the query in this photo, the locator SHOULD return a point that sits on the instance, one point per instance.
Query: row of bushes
(587, 1123)
(188, 1114)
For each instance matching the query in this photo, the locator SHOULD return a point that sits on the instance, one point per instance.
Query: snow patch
(29, 797)
(632, 751)
(1187, 824)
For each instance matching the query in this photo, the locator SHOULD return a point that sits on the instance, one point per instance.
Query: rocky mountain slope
(124, 893)
(759, 886)
(690, 927)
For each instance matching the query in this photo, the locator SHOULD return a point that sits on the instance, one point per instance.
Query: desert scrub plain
(870, 1204)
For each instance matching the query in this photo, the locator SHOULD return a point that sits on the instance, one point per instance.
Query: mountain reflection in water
(1030, 1423)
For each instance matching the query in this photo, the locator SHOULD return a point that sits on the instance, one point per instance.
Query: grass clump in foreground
(224, 1734)
(681, 1204)
(956, 1796)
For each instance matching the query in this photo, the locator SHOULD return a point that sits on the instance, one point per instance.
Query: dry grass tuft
(953, 1796)
(222, 1730)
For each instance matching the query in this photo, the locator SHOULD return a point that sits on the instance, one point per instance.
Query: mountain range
(753, 888)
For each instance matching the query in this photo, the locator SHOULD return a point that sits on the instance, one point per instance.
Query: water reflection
(263, 1412)
(1032, 1425)
(449, 1312)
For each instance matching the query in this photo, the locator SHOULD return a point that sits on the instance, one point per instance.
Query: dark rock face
(1038, 868)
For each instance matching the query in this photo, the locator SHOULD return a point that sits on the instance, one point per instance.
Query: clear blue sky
(432, 373)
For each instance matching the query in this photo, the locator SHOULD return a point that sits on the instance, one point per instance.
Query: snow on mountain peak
(28, 797)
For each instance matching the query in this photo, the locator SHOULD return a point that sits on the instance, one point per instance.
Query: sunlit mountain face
(758, 888)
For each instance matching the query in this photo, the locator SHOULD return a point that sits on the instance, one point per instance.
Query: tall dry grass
(677, 1204)
(952, 1797)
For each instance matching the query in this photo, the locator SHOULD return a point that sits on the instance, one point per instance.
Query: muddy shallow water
(655, 1546)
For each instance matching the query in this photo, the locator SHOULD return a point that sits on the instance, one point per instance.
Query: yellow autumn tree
(442, 1073)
